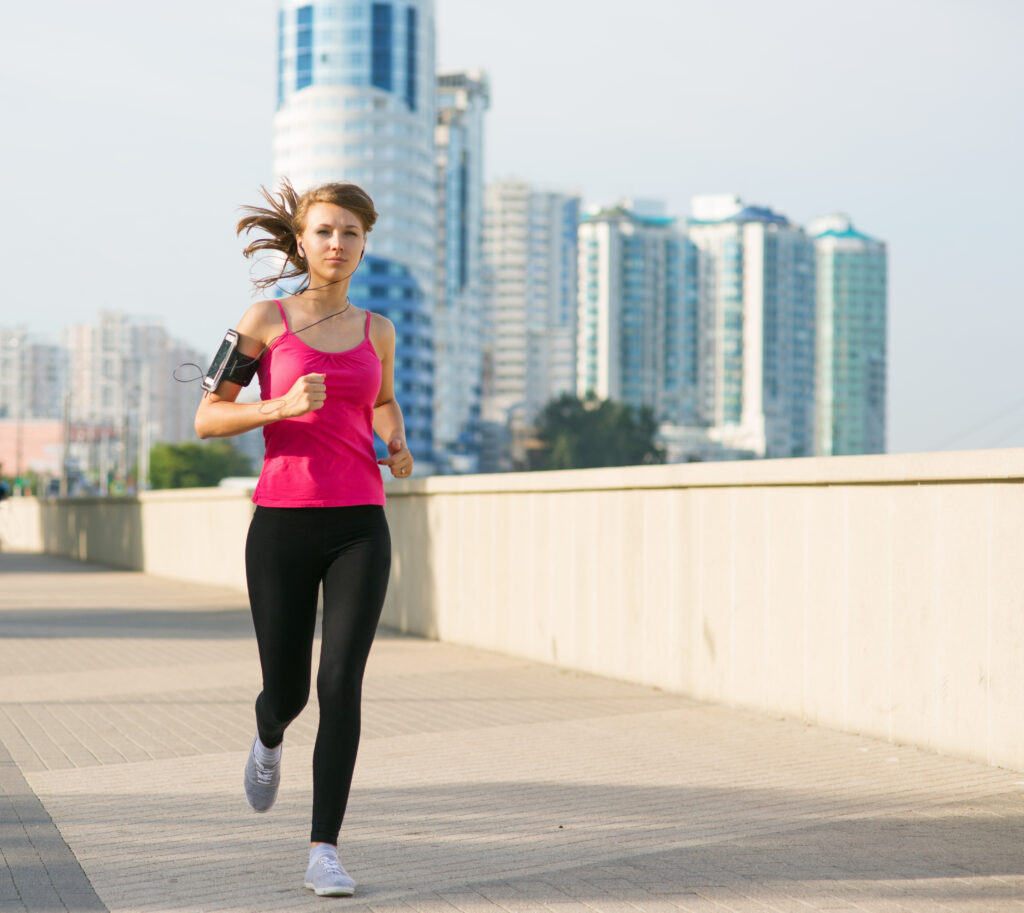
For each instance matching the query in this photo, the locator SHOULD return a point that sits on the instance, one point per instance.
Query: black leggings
(289, 551)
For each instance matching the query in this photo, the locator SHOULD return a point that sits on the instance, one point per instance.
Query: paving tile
(484, 783)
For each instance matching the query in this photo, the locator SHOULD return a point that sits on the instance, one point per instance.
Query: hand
(307, 394)
(400, 459)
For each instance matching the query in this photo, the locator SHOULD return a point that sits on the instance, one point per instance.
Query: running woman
(326, 373)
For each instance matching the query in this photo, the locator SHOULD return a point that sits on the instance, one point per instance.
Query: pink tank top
(324, 458)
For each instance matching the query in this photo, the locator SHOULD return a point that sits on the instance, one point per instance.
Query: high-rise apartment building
(852, 333)
(31, 376)
(123, 392)
(462, 100)
(530, 256)
(638, 311)
(756, 326)
(356, 102)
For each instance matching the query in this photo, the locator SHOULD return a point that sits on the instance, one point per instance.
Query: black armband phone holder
(230, 365)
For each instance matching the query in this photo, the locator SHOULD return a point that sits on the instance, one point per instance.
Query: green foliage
(194, 465)
(577, 434)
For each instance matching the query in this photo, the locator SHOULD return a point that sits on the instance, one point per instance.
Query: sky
(133, 131)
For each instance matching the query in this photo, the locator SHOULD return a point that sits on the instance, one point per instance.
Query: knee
(286, 707)
(339, 686)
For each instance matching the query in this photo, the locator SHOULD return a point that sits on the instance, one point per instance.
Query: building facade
(356, 103)
(637, 317)
(530, 257)
(31, 376)
(852, 338)
(756, 327)
(462, 100)
(32, 384)
(124, 396)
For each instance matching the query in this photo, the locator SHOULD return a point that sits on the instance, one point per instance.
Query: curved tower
(356, 102)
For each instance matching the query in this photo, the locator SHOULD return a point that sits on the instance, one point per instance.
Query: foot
(261, 781)
(326, 876)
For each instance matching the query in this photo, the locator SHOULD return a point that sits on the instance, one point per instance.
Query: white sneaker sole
(331, 892)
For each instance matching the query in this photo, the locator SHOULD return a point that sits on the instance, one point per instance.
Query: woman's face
(332, 241)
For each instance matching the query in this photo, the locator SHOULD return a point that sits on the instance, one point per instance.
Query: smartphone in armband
(230, 364)
(220, 362)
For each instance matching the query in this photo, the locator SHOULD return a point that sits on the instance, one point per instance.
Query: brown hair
(284, 219)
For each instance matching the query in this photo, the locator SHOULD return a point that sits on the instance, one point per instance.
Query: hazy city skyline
(132, 147)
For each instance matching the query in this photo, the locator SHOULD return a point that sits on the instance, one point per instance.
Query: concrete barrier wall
(194, 534)
(198, 534)
(20, 527)
(881, 595)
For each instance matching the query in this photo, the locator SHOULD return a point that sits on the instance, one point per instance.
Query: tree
(577, 434)
(195, 465)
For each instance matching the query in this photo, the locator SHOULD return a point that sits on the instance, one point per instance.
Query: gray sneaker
(261, 781)
(326, 876)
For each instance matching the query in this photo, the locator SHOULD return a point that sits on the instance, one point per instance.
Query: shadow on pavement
(553, 841)
(33, 563)
(194, 622)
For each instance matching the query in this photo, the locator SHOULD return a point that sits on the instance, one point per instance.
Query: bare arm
(387, 415)
(219, 415)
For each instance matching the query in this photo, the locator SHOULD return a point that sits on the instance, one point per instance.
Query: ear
(362, 253)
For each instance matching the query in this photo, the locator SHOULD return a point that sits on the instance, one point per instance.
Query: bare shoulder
(380, 324)
(261, 321)
(382, 333)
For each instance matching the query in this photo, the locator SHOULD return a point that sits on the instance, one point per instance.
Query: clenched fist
(307, 394)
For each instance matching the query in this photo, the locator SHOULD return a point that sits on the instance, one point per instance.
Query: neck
(326, 294)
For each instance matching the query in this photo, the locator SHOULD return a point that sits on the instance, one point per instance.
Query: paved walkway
(484, 783)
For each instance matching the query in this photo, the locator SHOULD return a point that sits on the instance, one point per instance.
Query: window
(304, 47)
(380, 66)
(410, 57)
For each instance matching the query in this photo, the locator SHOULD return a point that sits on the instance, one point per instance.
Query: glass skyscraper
(757, 327)
(462, 99)
(852, 333)
(356, 102)
(529, 250)
(637, 311)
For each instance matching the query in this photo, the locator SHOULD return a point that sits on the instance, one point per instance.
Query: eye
(322, 231)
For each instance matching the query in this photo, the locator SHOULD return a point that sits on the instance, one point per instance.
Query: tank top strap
(368, 315)
(284, 316)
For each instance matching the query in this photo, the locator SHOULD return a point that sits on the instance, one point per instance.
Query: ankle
(322, 849)
(267, 755)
